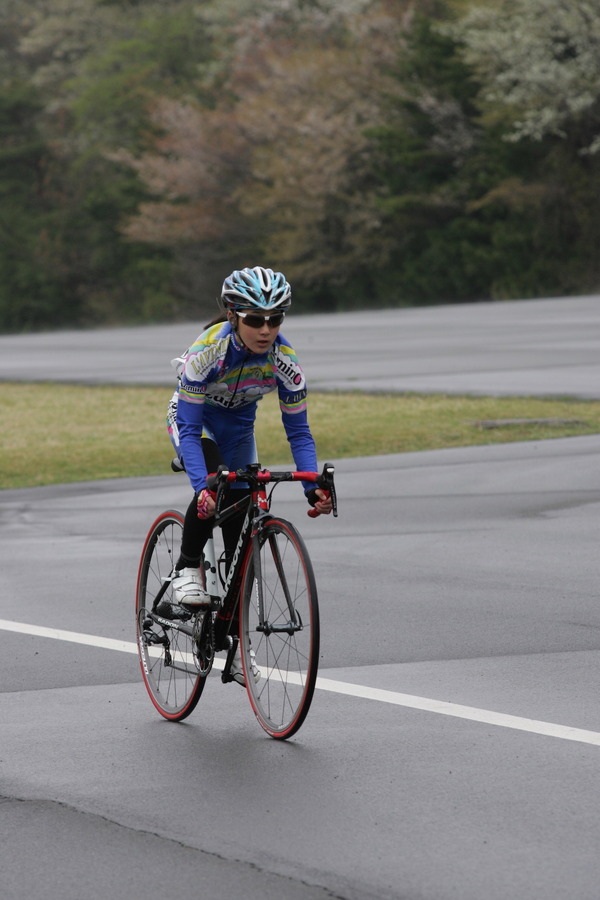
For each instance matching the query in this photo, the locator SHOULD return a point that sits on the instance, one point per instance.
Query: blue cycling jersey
(221, 382)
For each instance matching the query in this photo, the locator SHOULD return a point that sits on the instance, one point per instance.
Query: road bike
(264, 599)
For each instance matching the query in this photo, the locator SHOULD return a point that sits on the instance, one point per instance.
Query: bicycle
(265, 599)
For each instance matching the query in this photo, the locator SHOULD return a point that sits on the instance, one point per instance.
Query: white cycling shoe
(188, 590)
(237, 672)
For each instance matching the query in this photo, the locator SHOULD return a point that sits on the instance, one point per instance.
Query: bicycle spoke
(286, 641)
(166, 653)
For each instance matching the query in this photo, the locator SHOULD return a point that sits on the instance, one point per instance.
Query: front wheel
(282, 640)
(168, 652)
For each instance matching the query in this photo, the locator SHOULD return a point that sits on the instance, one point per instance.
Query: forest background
(379, 152)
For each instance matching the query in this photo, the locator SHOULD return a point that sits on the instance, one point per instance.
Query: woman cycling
(236, 361)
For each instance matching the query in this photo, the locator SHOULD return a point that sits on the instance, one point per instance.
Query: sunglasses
(252, 321)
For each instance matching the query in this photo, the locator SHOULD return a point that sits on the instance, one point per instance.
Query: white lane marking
(76, 637)
(440, 707)
(447, 708)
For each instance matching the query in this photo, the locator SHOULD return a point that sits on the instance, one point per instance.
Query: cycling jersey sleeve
(202, 364)
(292, 390)
(190, 415)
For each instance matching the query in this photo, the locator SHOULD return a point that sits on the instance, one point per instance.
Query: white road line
(440, 707)
(446, 708)
(74, 637)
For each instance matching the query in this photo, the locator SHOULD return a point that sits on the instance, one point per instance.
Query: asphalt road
(452, 747)
(520, 347)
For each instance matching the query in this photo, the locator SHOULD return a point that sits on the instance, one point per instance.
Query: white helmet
(258, 288)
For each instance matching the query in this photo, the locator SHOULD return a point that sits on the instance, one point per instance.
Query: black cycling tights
(197, 531)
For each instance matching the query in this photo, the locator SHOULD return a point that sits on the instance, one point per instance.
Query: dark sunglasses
(252, 321)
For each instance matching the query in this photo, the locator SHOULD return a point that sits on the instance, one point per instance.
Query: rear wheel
(285, 645)
(170, 666)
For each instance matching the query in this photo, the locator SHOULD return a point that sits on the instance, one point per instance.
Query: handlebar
(254, 476)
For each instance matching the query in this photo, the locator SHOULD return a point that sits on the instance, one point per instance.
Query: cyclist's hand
(322, 501)
(206, 504)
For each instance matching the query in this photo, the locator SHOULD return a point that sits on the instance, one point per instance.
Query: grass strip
(59, 433)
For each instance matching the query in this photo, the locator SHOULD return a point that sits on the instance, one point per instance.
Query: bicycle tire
(167, 659)
(288, 660)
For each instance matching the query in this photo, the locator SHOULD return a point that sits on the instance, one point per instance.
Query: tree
(378, 151)
(476, 212)
(538, 65)
(307, 121)
(191, 174)
(96, 69)
(269, 172)
(538, 62)
(31, 270)
(429, 161)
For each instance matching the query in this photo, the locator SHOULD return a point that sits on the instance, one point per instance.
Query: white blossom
(539, 62)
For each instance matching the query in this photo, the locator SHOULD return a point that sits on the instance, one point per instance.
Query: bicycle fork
(264, 626)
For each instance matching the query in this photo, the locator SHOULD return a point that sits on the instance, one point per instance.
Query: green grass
(55, 433)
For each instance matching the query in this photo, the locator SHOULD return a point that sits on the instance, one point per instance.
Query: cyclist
(240, 357)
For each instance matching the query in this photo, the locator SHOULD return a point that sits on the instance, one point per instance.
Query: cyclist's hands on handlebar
(206, 504)
(323, 504)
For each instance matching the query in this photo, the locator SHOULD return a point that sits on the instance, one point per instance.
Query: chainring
(204, 642)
